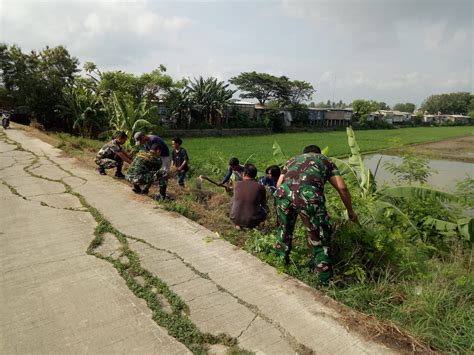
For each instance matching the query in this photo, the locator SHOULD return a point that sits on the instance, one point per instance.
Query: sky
(384, 50)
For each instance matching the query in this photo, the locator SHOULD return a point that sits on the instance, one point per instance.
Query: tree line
(47, 86)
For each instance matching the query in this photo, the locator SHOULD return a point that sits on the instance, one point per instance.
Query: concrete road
(87, 267)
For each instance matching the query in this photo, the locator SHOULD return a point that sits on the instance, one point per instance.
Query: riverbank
(459, 149)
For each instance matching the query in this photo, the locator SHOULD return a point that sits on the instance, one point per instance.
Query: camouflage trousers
(107, 163)
(148, 180)
(316, 221)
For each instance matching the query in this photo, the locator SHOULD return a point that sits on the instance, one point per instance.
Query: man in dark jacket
(248, 208)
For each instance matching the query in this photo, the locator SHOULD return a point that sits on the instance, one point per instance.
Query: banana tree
(385, 199)
(126, 115)
(84, 108)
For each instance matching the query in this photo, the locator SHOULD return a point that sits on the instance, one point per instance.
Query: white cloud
(440, 38)
(108, 32)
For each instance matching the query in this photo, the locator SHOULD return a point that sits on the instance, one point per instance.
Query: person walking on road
(300, 191)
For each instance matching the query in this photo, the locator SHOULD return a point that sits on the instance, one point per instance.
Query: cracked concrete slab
(264, 338)
(73, 181)
(110, 246)
(62, 200)
(49, 172)
(57, 299)
(267, 311)
(29, 186)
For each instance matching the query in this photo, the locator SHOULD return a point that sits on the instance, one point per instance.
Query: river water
(447, 174)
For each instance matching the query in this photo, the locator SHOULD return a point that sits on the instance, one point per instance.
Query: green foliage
(207, 98)
(298, 92)
(36, 80)
(77, 145)
(405, 107)
(178, 207)
(364, 123)
(261, 86)
(275, 119)
(266, 87)
(383, 106)
(413, 169)
(201, 149)
(81, 105)
(363, 107)
(453, 103)
(435, 305)
(126, 115)
(329, 104)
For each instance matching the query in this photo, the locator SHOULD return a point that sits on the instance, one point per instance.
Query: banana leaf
(463, 226)
(417, 192)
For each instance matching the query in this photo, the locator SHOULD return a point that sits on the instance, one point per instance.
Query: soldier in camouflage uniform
(301, 192)
(111, 155)
(145, 170)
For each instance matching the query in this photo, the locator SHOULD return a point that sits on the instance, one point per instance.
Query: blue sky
(392, 51)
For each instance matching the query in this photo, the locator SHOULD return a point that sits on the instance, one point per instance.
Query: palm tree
(208, 97)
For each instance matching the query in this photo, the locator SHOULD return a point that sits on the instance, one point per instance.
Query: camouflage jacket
(109, 150)
(305, 176)
(144, 169)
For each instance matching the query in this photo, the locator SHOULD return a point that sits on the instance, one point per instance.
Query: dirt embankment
(461, 149)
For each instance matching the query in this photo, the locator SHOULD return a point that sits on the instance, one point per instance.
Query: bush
(275, 120)
(375, 124)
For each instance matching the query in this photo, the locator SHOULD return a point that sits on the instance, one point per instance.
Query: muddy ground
(460, 149)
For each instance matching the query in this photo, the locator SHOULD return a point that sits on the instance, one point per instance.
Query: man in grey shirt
(248, 208)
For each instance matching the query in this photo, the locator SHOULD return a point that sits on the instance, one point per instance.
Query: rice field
(218, 150)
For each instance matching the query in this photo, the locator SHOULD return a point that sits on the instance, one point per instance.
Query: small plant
(413, 169)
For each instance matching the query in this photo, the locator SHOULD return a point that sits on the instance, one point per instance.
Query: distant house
(440, 119)
(428, 118)
(330, 117)
(244, 107)
(458, 118)
(235, 107)
(390, 116)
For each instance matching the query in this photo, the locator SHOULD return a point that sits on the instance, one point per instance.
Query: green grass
(260, 147)
(436, 306)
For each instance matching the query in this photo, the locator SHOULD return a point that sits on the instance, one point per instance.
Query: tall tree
(383, 106)
(299, 92)
(208, 97)
(363, 107)
(453, 103)
(261, 86)
(36, 80)
(405, 107)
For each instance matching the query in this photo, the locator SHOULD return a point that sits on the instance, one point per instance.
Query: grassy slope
(293, 143)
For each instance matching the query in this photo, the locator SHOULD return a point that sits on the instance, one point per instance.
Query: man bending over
(300, 191)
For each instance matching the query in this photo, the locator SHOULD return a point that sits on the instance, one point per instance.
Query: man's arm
(263, 201)
(185, 159)
(227, 176)
(338, 183)
(125, 156)
(280, 180)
